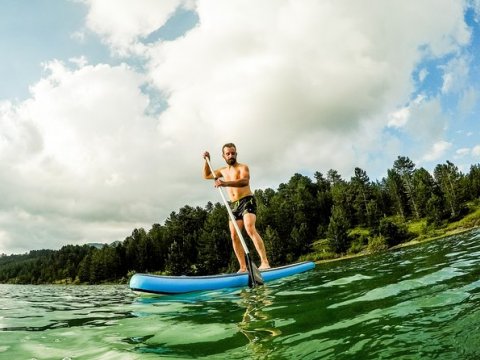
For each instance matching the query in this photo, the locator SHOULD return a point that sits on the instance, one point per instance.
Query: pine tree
(337, 231)
(449, 178)
(405, 167)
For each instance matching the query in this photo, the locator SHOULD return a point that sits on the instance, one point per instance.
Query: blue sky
(106, 106)
(34, 32)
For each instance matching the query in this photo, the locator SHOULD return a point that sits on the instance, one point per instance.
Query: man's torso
(232, 173)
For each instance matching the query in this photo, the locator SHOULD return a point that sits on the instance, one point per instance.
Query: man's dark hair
(227, 145)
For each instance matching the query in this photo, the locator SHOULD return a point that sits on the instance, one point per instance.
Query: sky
(106, 106)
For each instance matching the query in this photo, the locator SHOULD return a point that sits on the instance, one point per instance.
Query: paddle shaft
(230, 213)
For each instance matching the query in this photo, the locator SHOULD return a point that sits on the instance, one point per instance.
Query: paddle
(254, 276)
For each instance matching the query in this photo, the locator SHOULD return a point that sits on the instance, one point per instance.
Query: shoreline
(416, 241)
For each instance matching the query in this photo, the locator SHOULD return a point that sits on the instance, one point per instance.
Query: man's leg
(237, 246)
(249, 221)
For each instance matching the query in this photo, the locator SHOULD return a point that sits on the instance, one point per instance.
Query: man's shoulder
(239, 167)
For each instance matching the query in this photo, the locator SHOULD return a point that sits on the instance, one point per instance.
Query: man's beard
(231, 161)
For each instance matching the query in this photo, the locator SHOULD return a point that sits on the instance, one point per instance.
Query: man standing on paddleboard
(236, 178)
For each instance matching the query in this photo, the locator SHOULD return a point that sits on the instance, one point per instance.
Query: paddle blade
(254, 276)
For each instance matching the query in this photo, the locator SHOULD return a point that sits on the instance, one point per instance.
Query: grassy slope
(468, 222)
(321, 252)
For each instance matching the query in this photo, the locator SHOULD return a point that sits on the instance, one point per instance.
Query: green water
(420, 302)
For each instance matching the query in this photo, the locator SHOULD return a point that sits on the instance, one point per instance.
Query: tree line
(324, 210)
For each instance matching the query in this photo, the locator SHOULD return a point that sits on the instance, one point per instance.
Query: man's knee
(251, 231)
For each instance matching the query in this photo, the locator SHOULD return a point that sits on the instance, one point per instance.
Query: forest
(320, 218)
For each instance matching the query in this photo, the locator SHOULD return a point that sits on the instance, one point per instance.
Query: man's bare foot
(264, 266)
(241, 271)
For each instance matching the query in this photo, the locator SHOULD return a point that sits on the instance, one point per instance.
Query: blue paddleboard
(158, 284)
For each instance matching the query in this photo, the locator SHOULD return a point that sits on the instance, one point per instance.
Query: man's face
(230, 155)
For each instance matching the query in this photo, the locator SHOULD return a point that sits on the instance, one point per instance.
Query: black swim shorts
(243, 206)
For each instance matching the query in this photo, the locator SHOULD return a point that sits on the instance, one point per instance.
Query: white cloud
(455, 77)
(297, 85)
(462, 152)
(79, 36)
(428, 122)
(122, 22)
(476, 150)
(423, 121)
(468, 101)
(330, 74)
(422, 74)
(80, 61)
(399, 118)
(437, 151)
(81, 153)
(476, 7)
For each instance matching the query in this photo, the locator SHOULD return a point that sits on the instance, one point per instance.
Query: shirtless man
(236, 178)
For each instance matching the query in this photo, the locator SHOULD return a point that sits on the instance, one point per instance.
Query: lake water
(420, 302)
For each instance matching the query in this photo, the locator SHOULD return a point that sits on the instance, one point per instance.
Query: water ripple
(414, 303)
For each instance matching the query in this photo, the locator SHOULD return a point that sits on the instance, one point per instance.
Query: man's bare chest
(232, 174)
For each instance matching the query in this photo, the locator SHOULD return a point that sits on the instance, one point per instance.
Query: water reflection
(228, 316)
(256, 322)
